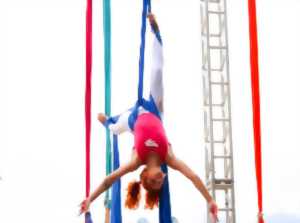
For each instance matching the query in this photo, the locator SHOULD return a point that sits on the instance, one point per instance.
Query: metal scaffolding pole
(217, 107)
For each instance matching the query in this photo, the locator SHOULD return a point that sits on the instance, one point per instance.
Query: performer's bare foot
(153, 22)
(102, 118)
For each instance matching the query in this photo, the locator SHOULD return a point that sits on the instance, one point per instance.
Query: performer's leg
(117, 124)
(156, 79)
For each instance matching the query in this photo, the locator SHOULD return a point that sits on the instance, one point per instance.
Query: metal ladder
(217, 108)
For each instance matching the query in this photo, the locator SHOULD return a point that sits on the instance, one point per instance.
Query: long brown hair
(134, 193)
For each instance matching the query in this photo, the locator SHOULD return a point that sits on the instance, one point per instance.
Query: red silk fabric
(256, 102)
(88, 91)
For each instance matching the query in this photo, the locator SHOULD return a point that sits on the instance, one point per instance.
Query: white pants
(156, 89)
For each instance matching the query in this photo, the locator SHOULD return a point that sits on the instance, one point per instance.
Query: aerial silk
(256, 102)
(164, 204)
(116, 207)
(164, 200)
(113, 199)
(88, 99)
(107, 88)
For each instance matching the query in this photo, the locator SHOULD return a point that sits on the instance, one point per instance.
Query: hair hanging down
(152, 198)
(134, 193)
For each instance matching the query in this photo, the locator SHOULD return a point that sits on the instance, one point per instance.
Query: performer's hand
(84, 206)
(213, 211)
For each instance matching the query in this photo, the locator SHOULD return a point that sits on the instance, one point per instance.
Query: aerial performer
(151, 146)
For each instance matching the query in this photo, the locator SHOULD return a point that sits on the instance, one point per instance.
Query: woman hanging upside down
(151, 146)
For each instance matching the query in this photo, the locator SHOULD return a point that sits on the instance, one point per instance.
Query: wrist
(210, 200)
(89, 199)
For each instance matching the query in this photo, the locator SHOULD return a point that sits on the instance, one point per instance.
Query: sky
(42, 71)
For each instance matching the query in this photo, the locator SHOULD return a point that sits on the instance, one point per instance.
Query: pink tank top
(150, 136)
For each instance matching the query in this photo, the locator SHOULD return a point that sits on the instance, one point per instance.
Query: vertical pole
(217, 107)
(211, 127)
(229, 111)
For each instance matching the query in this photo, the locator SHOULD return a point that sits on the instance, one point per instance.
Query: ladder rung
(223, 184)
(220, 184)
(222, 157)
(219, 105)
(211, 35)
(216, 141)
(220, 180)
(215, 35)
(211, 1)
(225, 209)
(215, 104)
(220, 69)
(220, 119)
(213, 69)
(216, 12)
(223, 181)
(219, 141)
(218, 47)
(218, 83)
